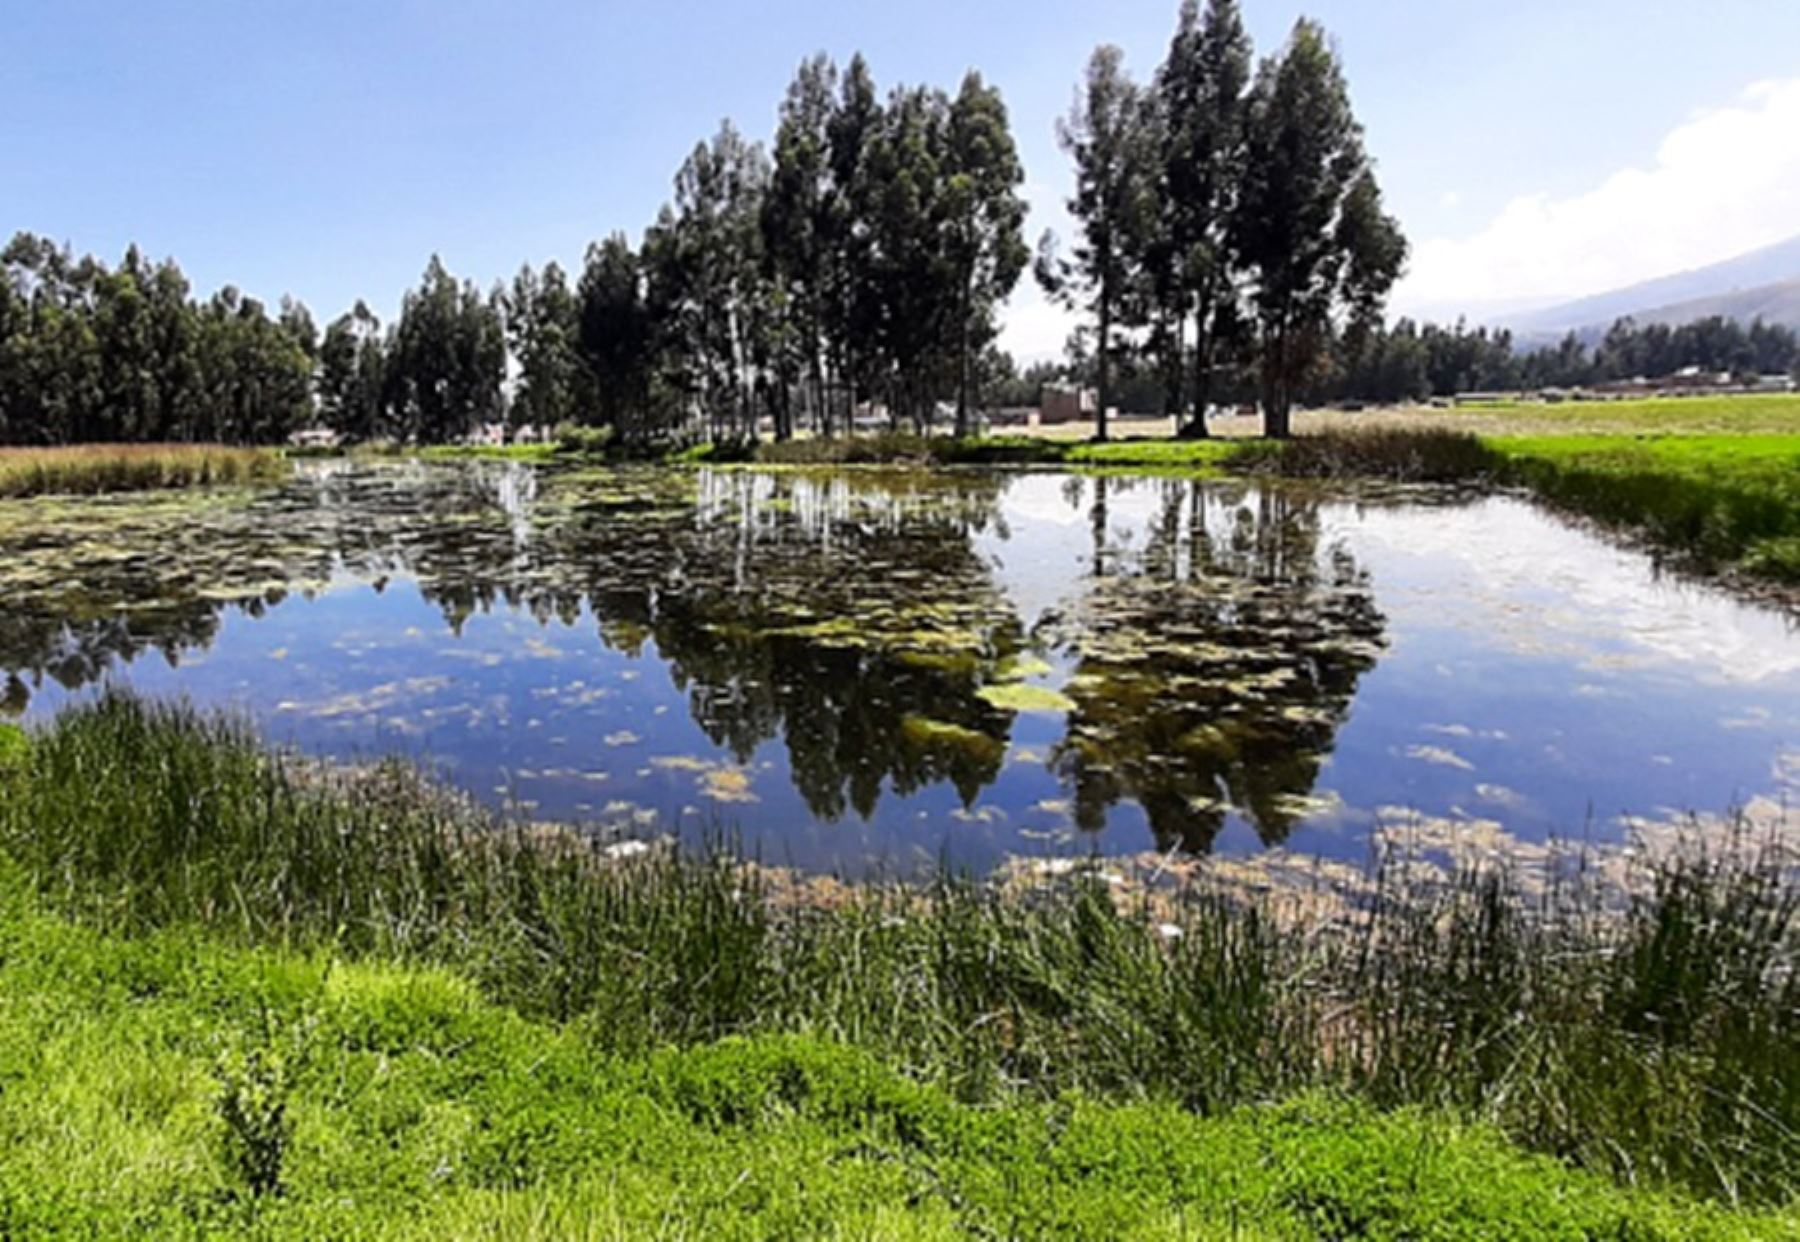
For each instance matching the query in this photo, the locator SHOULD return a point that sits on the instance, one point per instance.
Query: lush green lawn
(166, 1086)
(490, 452)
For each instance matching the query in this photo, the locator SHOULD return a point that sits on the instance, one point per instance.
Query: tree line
(858, 262)
(1229, 219)
(862, 260)
(1230, 244)
(1410, 361)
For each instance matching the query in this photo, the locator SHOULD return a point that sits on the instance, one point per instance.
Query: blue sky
(1532, 150)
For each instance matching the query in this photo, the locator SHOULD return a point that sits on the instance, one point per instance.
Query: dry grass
(1764, 414)
(89, 469)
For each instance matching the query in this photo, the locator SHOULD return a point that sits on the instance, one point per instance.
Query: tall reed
(89, 469)
(1656, 1038)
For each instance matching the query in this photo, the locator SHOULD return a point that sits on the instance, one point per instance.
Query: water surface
(885, 670)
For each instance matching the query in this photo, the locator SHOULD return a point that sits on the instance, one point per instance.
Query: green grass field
(166, 1086)
(1748, 414)
(1720, 500)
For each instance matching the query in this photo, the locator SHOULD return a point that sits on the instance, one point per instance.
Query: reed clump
(1656, 1038)
(1404, 455)
(91, 469)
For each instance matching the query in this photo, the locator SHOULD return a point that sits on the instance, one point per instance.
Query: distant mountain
(1777, 303)
(1764, 282)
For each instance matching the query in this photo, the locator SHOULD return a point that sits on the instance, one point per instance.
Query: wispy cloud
(1724, 182)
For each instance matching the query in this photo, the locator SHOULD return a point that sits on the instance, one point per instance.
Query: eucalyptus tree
(353, 373)
(256, 380)
(542, 322)
(15, 316)
(53, 363)
(709, 250)
(173, 335)
(910, 276)
(618, 336)
(1201, 99)
(852, 308)
(447, 360)
(797, 237)
(297, 321)
(1312, 235)
(1105, 135)
(121, 319)
(985, 217)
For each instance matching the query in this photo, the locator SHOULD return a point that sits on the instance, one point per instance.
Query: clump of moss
(1020, 697)
(943, 737)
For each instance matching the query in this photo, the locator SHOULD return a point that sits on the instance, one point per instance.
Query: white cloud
(1725, 182)
(1035, 328)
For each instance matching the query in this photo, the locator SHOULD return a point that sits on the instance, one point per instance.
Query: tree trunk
(962, 388)
(1276, 424)
(1105, 390)
(1196, 428)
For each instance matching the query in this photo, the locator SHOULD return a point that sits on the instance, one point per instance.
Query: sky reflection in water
(863, 670)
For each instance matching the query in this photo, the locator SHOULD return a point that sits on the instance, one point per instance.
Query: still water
(869, 670)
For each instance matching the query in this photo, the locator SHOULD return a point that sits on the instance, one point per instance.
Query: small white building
(315, 438)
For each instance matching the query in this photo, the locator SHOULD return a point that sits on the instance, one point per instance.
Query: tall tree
(909, 276)
(986, 217)
(542, 321)
(852, 311)
(1311, 231)
(353, 373)
(797, 235)
(712, 242)
(618, 336)
(447, 360)
(1104, 135)
(1201, 92)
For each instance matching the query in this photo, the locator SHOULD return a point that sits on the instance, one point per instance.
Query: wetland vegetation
(709, 817)
(94, 469)
(296, 929)
(1189, 813)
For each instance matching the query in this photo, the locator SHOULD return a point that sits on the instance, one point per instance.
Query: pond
(884, 671)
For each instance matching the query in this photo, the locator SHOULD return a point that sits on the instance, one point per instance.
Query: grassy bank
(89, 469)
(169, 1086)
(1657, 1045)
(1721, 500)
(1714, 502)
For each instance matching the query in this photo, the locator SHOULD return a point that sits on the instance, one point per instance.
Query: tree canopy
(1231, 243)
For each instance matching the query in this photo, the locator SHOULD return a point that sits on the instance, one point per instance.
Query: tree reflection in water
(1214, 667)
(851, 615)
